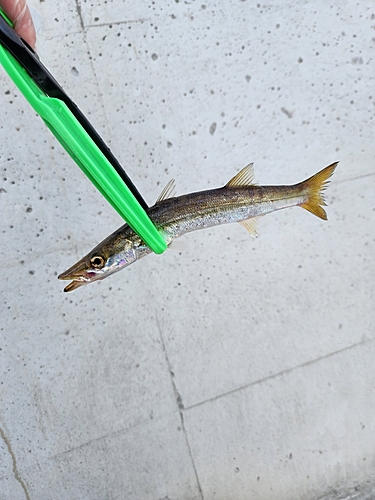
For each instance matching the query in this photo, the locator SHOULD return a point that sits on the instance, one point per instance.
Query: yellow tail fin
(314, 187)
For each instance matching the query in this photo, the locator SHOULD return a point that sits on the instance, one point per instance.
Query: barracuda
(240, 200)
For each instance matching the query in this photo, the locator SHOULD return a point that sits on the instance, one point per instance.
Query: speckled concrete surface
(237, 369)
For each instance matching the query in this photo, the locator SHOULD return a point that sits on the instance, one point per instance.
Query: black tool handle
(30, 61)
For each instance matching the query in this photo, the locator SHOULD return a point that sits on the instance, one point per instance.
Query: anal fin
(251, 226)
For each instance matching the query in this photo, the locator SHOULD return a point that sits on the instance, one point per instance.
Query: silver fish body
(240, 200)
(183, 214)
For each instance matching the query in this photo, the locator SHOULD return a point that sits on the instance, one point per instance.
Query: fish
(240, 200)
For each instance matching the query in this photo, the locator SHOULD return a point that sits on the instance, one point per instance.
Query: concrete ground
(236, 369)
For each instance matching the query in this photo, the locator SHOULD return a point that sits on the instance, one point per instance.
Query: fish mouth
(77, 274)
(77, 281)
(74, 285)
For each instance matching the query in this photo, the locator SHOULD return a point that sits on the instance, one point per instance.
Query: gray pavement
(236, 369)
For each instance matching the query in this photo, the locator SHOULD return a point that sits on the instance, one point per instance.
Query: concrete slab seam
(14, 463)
(179, 403)
(118, 23)
(280, 374)
(84, 32)
(356, 178)
(105, 436)
(79, 11)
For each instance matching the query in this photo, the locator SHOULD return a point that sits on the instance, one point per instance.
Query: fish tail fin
(314, 188)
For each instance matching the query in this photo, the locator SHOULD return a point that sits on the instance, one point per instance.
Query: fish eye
(97, 262)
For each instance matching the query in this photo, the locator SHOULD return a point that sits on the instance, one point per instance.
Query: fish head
(100, 263)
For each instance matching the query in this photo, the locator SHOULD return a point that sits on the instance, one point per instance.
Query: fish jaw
(73, 285)
(83, 273)
(80, 274)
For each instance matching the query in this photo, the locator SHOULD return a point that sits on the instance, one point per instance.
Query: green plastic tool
(75, 133)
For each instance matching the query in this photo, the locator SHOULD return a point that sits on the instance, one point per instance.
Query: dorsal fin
(245, 177)
(168, 192)
(251, 225)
